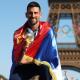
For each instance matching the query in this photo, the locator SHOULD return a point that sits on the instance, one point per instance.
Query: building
(64, 15)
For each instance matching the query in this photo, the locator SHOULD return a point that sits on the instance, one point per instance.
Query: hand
(26, 59)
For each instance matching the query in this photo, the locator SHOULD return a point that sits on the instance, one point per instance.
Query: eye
(35, 12)
(30, 13)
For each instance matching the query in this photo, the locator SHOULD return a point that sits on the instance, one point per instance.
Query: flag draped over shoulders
(48, 50)
(19, 41)
(43, 50)
(48, 54)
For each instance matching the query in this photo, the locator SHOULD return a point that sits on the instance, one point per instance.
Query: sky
(65, 31)
(12, 16)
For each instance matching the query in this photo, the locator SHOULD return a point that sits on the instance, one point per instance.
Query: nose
(33, 14)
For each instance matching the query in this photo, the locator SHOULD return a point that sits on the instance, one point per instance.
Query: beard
(33, 21)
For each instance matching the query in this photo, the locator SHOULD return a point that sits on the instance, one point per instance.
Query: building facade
(64, 15)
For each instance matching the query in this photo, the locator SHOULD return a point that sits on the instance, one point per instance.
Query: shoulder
(45, 23)
(19, 33)
(19, 30)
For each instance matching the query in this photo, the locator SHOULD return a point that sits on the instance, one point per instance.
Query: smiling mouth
(33, 19)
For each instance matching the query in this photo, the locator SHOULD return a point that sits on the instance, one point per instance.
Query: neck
(35, 26)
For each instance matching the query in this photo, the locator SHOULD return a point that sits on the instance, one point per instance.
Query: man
(34, 51)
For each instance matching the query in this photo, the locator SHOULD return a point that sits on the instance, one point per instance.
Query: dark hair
(33, 4)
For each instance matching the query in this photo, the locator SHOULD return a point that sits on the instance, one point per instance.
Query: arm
(17, 49)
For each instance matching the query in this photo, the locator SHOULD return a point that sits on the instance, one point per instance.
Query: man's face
(33, 15)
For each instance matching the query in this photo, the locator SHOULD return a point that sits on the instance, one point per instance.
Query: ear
(26, 14)
(40, 14)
